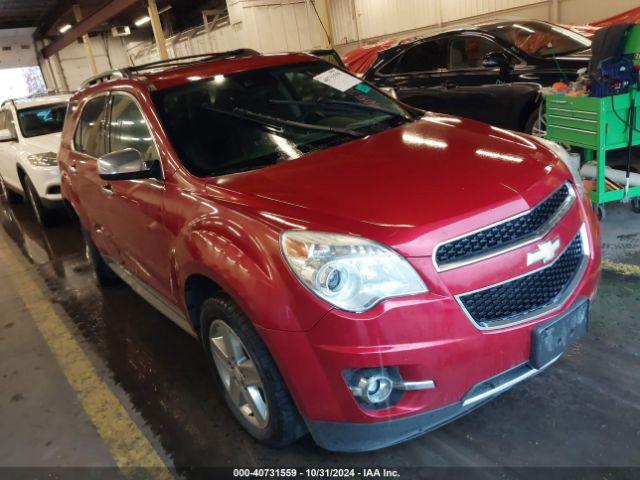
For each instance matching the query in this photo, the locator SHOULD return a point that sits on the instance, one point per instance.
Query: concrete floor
(584, 411)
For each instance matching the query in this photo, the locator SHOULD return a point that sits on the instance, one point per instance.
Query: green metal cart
(597, 125)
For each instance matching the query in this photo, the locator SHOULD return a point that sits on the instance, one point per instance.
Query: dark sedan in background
(491, 72)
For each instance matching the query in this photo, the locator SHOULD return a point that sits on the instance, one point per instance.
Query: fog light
(376, 389)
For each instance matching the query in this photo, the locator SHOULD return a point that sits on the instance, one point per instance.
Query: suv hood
(408, 187)
(43, 143)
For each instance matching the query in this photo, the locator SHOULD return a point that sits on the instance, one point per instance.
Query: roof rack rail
(104, 77)
(165, 64)
(203, 57)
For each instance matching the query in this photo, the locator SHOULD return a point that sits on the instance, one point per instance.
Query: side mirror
(127, 164)
(495, 59)
(6, 135)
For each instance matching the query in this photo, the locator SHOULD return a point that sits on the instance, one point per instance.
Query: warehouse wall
(16, 48)
(356, 22)
(292, 25)
(109, 53)
(580, 12)
(264, 25)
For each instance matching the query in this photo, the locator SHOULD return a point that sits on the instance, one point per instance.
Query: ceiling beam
(48, 26)
(103, 14)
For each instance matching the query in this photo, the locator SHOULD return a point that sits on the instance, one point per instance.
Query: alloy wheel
(239, 374)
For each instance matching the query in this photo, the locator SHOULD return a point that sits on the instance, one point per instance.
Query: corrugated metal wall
(378, 18)
(109, 53)
(460, 9)
(384, 17)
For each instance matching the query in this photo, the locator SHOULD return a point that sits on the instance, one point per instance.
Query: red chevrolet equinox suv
(353, 268)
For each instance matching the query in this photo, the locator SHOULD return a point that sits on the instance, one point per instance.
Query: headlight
(47, 159)
(349, 272)
(565, 156)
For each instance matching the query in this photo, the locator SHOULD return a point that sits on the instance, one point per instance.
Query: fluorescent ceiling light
(142, 20)
(65, 28)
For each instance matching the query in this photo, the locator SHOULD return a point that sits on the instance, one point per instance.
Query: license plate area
(551, 339)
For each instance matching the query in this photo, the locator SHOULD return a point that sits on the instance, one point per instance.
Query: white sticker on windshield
(337, 79)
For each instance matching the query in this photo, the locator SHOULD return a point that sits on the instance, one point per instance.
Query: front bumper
(46, 180)
(361, 437)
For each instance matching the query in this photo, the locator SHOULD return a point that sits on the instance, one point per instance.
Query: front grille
(511, 301)
(503, 235)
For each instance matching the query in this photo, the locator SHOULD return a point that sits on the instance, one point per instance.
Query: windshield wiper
(276, 123)
(343, 104)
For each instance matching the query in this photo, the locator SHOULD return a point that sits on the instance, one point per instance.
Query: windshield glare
(249, 120)
(42, 120)
(541, 39)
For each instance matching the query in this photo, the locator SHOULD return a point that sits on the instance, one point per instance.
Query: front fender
(242, 256)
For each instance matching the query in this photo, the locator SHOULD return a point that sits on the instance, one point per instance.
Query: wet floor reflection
(163, 372)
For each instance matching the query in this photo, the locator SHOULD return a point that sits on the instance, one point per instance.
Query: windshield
(42, 120)
(248, 120)
(540, 39)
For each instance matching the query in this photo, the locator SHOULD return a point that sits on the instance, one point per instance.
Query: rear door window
(469, 51)
(89, 137)
(425, 57)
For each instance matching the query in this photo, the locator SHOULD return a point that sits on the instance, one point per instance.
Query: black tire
(44, 216)
(103, 274)
(285, 424)
(531, 126)
(9, 195)
(635, 205)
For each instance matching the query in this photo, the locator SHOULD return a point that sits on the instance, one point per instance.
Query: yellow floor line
(621, 268)
(126, 442)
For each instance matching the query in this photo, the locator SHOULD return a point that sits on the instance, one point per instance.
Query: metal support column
(77, 13)
(555, 11)
(158, 33)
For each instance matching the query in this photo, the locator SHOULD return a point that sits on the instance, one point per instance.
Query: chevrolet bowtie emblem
(545, 253)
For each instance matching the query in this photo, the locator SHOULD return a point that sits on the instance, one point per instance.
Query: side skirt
(152, 297)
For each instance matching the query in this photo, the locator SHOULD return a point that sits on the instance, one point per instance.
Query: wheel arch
(209, 259)
(197, 288)
(22, 174)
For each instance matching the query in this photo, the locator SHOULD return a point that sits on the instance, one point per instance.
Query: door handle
(107, 189)
(450, 85)
(73, 169)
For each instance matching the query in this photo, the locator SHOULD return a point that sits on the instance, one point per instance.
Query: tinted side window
(469, 51)
(90, 132)
(425, 57)
(390, 67)
(128, 128)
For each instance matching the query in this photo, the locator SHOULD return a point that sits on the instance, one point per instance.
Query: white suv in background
(29, 142)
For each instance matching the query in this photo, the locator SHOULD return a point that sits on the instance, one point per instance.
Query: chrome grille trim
(535, 236)
(560, 301)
